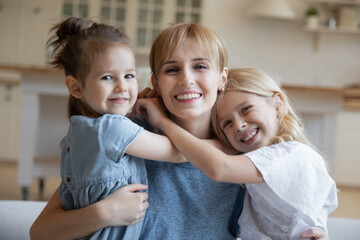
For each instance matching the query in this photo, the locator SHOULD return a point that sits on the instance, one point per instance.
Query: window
(188, 11)
(142, 20)
(113, 12)
(150, 21)
(76, 8)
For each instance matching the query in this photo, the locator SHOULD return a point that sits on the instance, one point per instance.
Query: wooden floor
(349, 197)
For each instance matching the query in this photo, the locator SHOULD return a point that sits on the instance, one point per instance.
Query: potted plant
(312, 18)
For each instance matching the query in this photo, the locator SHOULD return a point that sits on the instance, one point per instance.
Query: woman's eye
(107, 77)
(172, 70)
(200, 66)
(129, 76)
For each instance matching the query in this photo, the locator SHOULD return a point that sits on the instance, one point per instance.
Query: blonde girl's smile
(250, 136)
(249, 121)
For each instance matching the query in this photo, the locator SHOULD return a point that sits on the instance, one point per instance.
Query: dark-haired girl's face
(189, 81)
(111, 85)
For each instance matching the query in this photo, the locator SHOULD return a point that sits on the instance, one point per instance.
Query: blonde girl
(288, 187)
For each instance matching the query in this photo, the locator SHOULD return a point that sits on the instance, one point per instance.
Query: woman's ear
(155, 85)
(223, 79)
(74, 87)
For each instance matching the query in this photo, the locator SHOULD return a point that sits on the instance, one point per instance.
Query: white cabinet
(24, 26)
(10, 108)
(27, 23)
(347, 154)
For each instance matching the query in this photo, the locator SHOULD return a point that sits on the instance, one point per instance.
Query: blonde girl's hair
(254, 81)
(170, 38)
(74, 45)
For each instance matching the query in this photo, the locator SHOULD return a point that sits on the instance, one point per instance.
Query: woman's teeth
(188, 96)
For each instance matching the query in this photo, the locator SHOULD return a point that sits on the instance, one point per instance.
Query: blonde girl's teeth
(251, 134)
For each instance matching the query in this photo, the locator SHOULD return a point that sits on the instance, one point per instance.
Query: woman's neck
(199, 126)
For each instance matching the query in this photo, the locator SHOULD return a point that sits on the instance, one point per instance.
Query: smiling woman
(186, 81)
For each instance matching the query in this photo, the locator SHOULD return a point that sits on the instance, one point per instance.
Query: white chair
(16, 218)
(343, 228)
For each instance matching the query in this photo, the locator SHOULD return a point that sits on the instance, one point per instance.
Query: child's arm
(212, 161)
(125, 206)
(156, 147)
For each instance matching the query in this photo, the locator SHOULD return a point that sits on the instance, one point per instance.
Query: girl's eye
(246, 109)
(129, 76)
(226, 124)
(107, 77)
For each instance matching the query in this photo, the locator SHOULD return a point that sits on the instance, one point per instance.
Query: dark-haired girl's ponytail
(60, 43)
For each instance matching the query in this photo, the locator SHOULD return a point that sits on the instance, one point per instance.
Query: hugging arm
(156, 147)
(206, 157)
(125, 206)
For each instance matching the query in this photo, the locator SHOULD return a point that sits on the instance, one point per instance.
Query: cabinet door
(10, 30)
(10, 108)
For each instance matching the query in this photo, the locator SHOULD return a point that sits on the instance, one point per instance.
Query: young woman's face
(249, 121)
(189, 80)
(111, 85)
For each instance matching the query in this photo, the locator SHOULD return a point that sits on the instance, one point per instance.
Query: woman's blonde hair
(166, 43)
(254, 81)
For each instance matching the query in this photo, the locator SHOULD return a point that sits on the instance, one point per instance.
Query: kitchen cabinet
(26, 36)
(10, 108)
(347, 152)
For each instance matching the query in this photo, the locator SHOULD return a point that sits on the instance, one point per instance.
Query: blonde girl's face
(111, 85)
(189, 80)
(249, 121)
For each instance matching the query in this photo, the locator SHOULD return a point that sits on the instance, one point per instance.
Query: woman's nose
(187, 77)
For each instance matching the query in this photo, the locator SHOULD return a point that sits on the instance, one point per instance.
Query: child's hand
(315, 233)
(152, 109)
(126, 206)
(148, 93)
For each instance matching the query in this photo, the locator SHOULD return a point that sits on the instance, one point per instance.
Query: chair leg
(25, 193)
(41, 187)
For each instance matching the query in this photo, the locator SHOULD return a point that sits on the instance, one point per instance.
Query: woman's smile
(188, 96)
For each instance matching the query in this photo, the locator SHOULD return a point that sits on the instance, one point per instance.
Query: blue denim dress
(94, 164)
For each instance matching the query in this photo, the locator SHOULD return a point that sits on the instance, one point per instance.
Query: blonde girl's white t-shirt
(298, 193)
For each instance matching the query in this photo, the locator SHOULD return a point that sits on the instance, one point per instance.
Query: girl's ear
(223, 79)
(279, 104)
(74, 87)
(155, 85)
